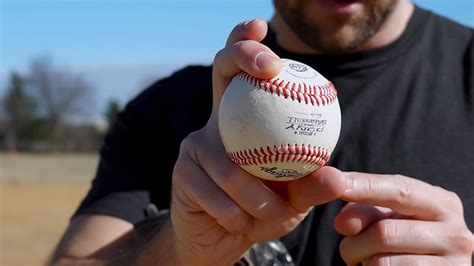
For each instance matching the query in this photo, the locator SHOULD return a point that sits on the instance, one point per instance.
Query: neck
(390, 30)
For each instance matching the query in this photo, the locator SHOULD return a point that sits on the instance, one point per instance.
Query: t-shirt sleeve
(141, 148)
(119, 188)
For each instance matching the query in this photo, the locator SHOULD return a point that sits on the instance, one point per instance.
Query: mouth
(340, 7)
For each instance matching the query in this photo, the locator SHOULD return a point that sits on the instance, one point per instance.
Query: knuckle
(230, 180)
(220, 57)
(405, 187)
(238, 28)
(180, 203)
(197, 145)
(190, 141)
(219, 54)
(289, 226)
(234, 219)
(385, 233)
(462, 240)
(455, 202)
(241, 54)
(281, 213)
(180, 181)
(180, 172)
(238, 47)
(380, 261)
(244, 51)
(370, 187)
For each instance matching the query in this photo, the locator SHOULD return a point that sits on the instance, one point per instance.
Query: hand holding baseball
(218, 210)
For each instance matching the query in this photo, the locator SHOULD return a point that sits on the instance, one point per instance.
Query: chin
(334, 26)
(346, 39)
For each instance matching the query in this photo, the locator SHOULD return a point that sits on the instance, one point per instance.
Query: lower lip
(338, 7)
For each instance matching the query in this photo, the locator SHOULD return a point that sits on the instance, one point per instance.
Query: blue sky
(122, 45)
(85, 32)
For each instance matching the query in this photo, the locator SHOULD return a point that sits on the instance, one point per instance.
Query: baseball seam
(309, 94)
(283, 153)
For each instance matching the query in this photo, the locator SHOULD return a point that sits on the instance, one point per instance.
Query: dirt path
(47, 168)
(38, 194)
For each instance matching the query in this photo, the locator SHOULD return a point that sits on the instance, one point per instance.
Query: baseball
(282, 128)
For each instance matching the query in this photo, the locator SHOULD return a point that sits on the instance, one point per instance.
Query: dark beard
(315, 35)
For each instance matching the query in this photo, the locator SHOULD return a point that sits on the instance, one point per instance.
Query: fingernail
(249, 21)
(265, 60)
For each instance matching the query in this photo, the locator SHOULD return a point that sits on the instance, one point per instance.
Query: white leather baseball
(282, 128)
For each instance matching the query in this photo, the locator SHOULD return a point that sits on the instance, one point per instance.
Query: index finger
(404, 195)
(254, 29)
(243, 53)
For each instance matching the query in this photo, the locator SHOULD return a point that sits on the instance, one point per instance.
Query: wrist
(185, 255)
(162, 248)
(165, 248)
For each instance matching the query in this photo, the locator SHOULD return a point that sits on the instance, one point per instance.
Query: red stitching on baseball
(314, 95)
(282, 153)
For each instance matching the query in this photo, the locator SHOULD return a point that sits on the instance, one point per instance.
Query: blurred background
(67, 67)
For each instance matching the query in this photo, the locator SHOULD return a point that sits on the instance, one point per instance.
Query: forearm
(151, 244)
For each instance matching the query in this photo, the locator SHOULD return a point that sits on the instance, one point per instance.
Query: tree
(113, 108)
(19, 110)
(60, 93)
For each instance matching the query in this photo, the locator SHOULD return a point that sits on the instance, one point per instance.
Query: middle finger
(395, 236)
(246, 190)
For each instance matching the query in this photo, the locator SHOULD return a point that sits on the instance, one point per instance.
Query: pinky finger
(415, 260)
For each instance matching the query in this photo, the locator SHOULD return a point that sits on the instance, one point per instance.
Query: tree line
(48, 109)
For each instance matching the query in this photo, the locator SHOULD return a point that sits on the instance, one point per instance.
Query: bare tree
(60, 93)
(19, 110)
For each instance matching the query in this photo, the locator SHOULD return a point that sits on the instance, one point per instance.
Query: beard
(334, 34)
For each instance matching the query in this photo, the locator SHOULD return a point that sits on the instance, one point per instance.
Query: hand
(397, 220)
(217, 210)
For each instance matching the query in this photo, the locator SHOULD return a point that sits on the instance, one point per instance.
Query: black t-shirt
(407, 108)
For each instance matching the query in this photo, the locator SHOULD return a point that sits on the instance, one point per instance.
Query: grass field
(38, 194)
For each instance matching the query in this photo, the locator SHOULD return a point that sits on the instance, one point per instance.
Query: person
(398, 187)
